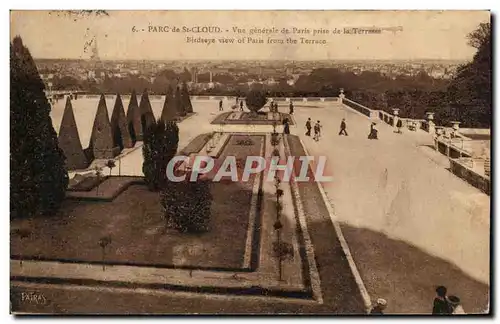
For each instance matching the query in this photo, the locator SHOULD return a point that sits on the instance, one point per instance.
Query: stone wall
(461, 170)
(359, 108)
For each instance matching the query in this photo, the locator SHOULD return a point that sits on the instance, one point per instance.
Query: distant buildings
(209, 75)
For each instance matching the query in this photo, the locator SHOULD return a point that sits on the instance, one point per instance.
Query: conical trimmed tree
(186, 99)
(69, 140)
(147, 116)
(178, 102)
(168, 113)
(134, 118)
(101, 140)
(121, 135)
(38, 179)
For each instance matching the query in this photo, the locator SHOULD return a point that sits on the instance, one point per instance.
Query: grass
(134, 221)
(221, 118)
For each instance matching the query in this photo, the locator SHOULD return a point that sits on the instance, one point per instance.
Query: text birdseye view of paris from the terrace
(250, 162)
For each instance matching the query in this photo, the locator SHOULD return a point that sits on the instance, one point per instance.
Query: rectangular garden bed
(134, 221)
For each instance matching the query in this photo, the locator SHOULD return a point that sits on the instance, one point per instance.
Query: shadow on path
(383, 261)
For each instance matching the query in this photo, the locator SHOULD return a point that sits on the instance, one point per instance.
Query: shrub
(245, 142)
(255, 100)
(160, 145)
(187, 205)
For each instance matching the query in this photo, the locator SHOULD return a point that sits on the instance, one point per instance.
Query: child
(317, 131)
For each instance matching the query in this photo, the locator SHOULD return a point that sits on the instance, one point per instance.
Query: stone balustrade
(360, 108)
(464, 171)
(225, 98)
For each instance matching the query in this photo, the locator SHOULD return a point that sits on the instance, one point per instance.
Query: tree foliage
(255, 100)
(469, 93)
(466, 98)
(161, 141)
(169, 111)
(38, 179)
(187, 205)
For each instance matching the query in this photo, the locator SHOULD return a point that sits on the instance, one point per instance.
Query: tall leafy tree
(470, 91)
(38, 179)
(161, 141)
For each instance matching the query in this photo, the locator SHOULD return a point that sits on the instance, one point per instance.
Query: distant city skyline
(425, 35)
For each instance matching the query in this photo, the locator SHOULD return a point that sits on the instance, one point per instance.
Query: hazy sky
(426, 34)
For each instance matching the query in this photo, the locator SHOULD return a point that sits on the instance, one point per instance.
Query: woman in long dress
(373, 132)
(286, 126)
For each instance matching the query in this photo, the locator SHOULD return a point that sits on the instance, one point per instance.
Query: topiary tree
(255, 100)
(160, 145)
(181, 109)
(169, 112)
(38, 179)
(187, 205)
(186, 99)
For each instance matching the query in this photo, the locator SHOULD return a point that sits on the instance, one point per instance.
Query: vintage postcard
(250, 162)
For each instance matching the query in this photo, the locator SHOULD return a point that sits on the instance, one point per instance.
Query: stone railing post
(395, 112)
(430, 121)
(456, 126)
(341, 95)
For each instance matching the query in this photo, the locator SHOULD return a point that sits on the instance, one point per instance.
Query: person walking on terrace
(241, 105)
(286, 126)
(399, 124)
(291, 108)
(373, 131)
(317, 131)
(220, 105)
(308, 127)
(343, 127)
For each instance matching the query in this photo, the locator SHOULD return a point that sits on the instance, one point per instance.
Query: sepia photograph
(260, 162)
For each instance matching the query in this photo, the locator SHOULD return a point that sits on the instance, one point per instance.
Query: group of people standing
(446, 305)
(442, 305)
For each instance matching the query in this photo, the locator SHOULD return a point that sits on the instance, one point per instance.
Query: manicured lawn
(134, 221)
